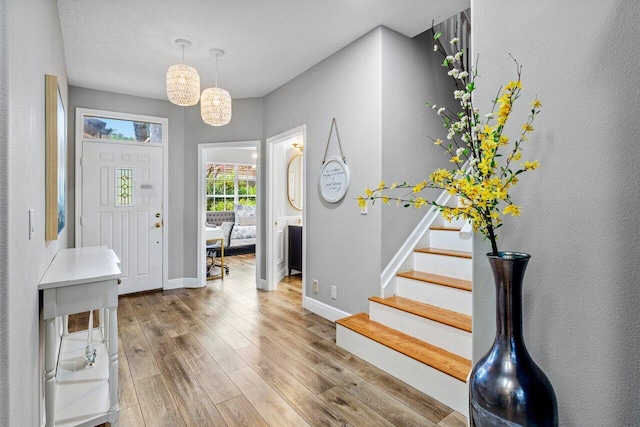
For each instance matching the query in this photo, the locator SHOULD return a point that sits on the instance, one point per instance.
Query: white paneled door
(122, 208)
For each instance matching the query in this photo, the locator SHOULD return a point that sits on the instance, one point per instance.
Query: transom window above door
(228, 184)
(121, 130)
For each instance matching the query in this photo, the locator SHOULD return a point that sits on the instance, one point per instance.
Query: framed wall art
(55, 159)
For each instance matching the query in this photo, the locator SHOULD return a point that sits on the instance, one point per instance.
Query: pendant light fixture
(215, 103)
(183, 81)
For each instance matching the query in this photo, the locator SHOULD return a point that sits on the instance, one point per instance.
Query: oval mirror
(294, 182)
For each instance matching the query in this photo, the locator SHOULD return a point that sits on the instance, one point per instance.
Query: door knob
(158, 225)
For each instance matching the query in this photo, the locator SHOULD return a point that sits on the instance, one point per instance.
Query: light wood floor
(228, 354)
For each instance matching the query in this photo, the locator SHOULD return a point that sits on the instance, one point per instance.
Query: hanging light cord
(216, 70)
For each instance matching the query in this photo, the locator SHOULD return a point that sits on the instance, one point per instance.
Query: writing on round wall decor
(333, 181)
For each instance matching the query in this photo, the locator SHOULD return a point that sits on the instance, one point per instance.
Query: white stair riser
(443, 265)
(442, 387)
(456, 223)
(441, 296)
(449, 240)
(446, 337)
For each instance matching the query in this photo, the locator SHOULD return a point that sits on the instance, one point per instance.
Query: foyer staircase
(422, 334)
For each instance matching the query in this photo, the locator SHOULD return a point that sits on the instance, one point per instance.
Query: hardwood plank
(140, 308)
(451, 282)
(306, 404)
(297, 367)
(295, 345)
(192, 401)
(211, 377)
(141, 361)
(421, 403)
(319, 320)
(239, 323)
(441, 228)
(454, 419)
(442, 360)
(437, 314)
(238, 412)
(131, 417)
(159, 340)
(126, 391)
(265, 400)
(382, 403)
(352, 409)
(188, 317)
(157, 406)
(170, 321)
(125, 313)
(446, 252)
(326, 332)
(224, 355)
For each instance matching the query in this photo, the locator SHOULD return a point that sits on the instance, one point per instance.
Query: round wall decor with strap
(333, 181)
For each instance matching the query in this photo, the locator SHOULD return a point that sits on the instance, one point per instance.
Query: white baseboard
(184, 282)
(323, 310)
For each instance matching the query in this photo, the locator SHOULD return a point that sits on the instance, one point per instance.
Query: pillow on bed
(247, 220)
(244, 211)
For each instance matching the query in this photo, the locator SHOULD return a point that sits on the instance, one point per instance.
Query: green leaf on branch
(437, 35)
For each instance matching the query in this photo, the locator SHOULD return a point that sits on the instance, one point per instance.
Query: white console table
(80, 280)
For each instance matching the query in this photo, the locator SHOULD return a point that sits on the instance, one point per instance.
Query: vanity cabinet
(295, 248)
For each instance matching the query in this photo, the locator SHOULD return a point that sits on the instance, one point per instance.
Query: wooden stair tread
(435, 357)
(441, 228)
(447, 252)
(437, 314)
(451, 282)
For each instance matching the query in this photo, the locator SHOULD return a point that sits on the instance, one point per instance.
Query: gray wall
(30, 33)
(412, 75)
(580, 209)
(343, 248)
(89, 98)
(245, 125)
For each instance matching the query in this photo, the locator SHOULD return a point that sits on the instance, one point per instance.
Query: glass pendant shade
(215, 106)
(183, 85)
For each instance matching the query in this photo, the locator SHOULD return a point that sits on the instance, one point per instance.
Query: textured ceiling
(126, 46)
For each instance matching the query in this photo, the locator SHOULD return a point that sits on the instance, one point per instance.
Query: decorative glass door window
(124, 187)
(228, 185)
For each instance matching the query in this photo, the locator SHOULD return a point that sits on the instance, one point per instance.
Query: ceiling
(126, 46)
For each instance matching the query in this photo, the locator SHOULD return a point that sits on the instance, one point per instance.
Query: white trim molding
(184, 282)
(323, 310)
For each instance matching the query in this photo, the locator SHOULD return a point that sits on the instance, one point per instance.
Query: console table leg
(113, 358)
(50, 370)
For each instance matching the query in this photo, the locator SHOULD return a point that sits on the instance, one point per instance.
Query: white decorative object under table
(80, 280)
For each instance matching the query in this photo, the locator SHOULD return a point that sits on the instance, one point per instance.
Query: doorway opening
(286, 181)
(228, 183)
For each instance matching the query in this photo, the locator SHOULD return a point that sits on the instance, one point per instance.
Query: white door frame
(271, 284)
(201, 240)
(80, 112)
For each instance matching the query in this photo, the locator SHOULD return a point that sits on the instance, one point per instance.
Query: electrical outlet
(315, 286)
(334, 292)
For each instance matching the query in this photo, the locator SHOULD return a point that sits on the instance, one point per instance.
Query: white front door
(122, 208)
